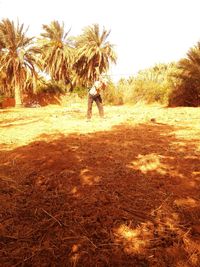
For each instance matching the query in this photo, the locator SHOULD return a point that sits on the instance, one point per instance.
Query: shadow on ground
(126, 197)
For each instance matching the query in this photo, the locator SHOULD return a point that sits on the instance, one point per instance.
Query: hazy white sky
(144, 32)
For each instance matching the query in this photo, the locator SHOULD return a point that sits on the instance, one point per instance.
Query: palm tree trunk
(18, 99)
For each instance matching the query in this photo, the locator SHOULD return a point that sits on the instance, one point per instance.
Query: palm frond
(56, 51)
(94, 53)
(17, 58)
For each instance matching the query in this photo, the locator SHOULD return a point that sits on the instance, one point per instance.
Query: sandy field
(119, 191)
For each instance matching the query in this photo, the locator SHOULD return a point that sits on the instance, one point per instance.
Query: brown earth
(123, 191)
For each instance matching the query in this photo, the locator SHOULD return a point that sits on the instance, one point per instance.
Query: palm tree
(190, 66)
(189, 74)
(56, 52)
(93, 54)
(17, 57)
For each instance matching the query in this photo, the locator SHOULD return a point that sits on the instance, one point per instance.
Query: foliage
(155, 84)
(56, 52)
(5, 89)
(17, 58)
(80, 91)
(93, 54)
(51, 87)
(23, 59)
(150, 85)
(187, 90)
(114, 94)
(75, 63)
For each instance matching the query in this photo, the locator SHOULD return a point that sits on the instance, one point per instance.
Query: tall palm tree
(56, 52)
(190, 76)
(17, 57)
(93, 54)
(190, 66)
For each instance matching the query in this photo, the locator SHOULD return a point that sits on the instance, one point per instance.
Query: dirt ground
(123, 191)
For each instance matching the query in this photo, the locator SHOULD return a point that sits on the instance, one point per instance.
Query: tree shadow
(116, 198)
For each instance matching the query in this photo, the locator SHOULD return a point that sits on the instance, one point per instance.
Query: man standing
(94, 95)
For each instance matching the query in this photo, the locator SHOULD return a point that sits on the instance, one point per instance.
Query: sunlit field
(22, 126)
(119, 191)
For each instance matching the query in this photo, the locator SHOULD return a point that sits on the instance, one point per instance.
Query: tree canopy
(17, 58)
(94, 53)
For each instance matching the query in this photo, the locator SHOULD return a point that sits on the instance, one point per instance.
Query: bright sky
(144, 32)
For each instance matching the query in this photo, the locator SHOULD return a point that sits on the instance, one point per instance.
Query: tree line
(26, 62)
(57, 61)
(172, 84)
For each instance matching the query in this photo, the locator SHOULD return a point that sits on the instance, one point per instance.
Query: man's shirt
(95, 88)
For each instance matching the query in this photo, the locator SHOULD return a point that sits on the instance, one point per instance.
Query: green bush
(113, 95)
(149, 92)
(80, 91)
(148, 86)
